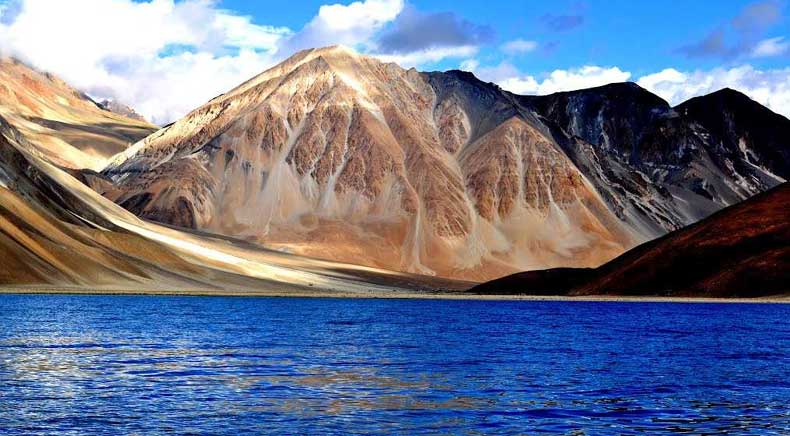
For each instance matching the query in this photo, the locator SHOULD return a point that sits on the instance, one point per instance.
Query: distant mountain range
(337, 155)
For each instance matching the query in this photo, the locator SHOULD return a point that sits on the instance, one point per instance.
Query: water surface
(200, 365)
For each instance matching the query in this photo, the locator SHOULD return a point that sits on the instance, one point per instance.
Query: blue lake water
(198, 365)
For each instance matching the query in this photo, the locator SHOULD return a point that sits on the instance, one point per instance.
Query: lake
(216, 365)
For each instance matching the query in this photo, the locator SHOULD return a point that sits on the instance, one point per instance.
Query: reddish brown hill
(741, 251)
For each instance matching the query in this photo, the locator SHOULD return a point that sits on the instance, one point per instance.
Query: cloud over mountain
(769, 87)
(414, 31)
(187, 52)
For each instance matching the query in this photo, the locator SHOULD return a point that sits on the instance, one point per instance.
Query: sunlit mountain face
(341, 156)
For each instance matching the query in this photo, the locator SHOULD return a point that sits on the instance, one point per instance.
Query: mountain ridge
(58, 234)
(442, 173)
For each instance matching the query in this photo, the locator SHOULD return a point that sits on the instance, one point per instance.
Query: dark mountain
(745, 131)
(658, 168)
(741, 251)
(614, 118)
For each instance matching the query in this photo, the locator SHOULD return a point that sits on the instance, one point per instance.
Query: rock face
(741, 251)
(64, 125)
(661, 168)
(336, 155)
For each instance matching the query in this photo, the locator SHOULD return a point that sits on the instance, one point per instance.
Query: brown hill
(57, 233)
(741, 251)
(341, 156)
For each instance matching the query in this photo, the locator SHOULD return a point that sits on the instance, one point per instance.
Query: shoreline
(394, 295)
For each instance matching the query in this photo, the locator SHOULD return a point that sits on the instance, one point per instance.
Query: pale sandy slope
(57, 233)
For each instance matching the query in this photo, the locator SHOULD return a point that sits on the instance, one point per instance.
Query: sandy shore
(783, 299)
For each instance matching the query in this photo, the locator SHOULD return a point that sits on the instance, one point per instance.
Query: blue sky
(640, 36)
(165, 57)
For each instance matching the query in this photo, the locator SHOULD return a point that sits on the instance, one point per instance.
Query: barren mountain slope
(341, 156)
(338, 155)
(55, 232)
(661, 168)
(66, 127)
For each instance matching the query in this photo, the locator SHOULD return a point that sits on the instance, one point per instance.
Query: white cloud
(497, 73)
(578, 78)
(768, 87)
(469, 64)
(666, 76)
(771, 47)
(510, 78)
(161, 57)
(519, 46)
(428, 56)
(351, 25)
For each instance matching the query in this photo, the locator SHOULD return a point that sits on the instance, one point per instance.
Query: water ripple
(181, 365)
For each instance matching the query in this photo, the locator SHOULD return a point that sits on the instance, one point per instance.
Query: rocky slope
(64, 125)
(661, 168)
(337, 155)
(56, 233)
(741, 251)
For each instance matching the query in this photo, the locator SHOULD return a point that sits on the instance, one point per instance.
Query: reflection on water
(147, 365)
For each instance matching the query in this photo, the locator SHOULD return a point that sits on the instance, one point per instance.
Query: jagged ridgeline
(338, 155)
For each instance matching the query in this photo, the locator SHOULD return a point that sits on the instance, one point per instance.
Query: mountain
(747, 133)
(64, 125)
(121, 109)
(336, 155)
(741, 251)
(56, 233)
(661, 168)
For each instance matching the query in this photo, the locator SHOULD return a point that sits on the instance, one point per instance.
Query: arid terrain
(340, 156)
(335, 172)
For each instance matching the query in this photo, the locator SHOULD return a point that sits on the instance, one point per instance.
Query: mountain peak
(332, 52)
(333, 152)
(729, 99)
(337, 49)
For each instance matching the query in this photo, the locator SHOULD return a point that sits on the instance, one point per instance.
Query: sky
(166, 57)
